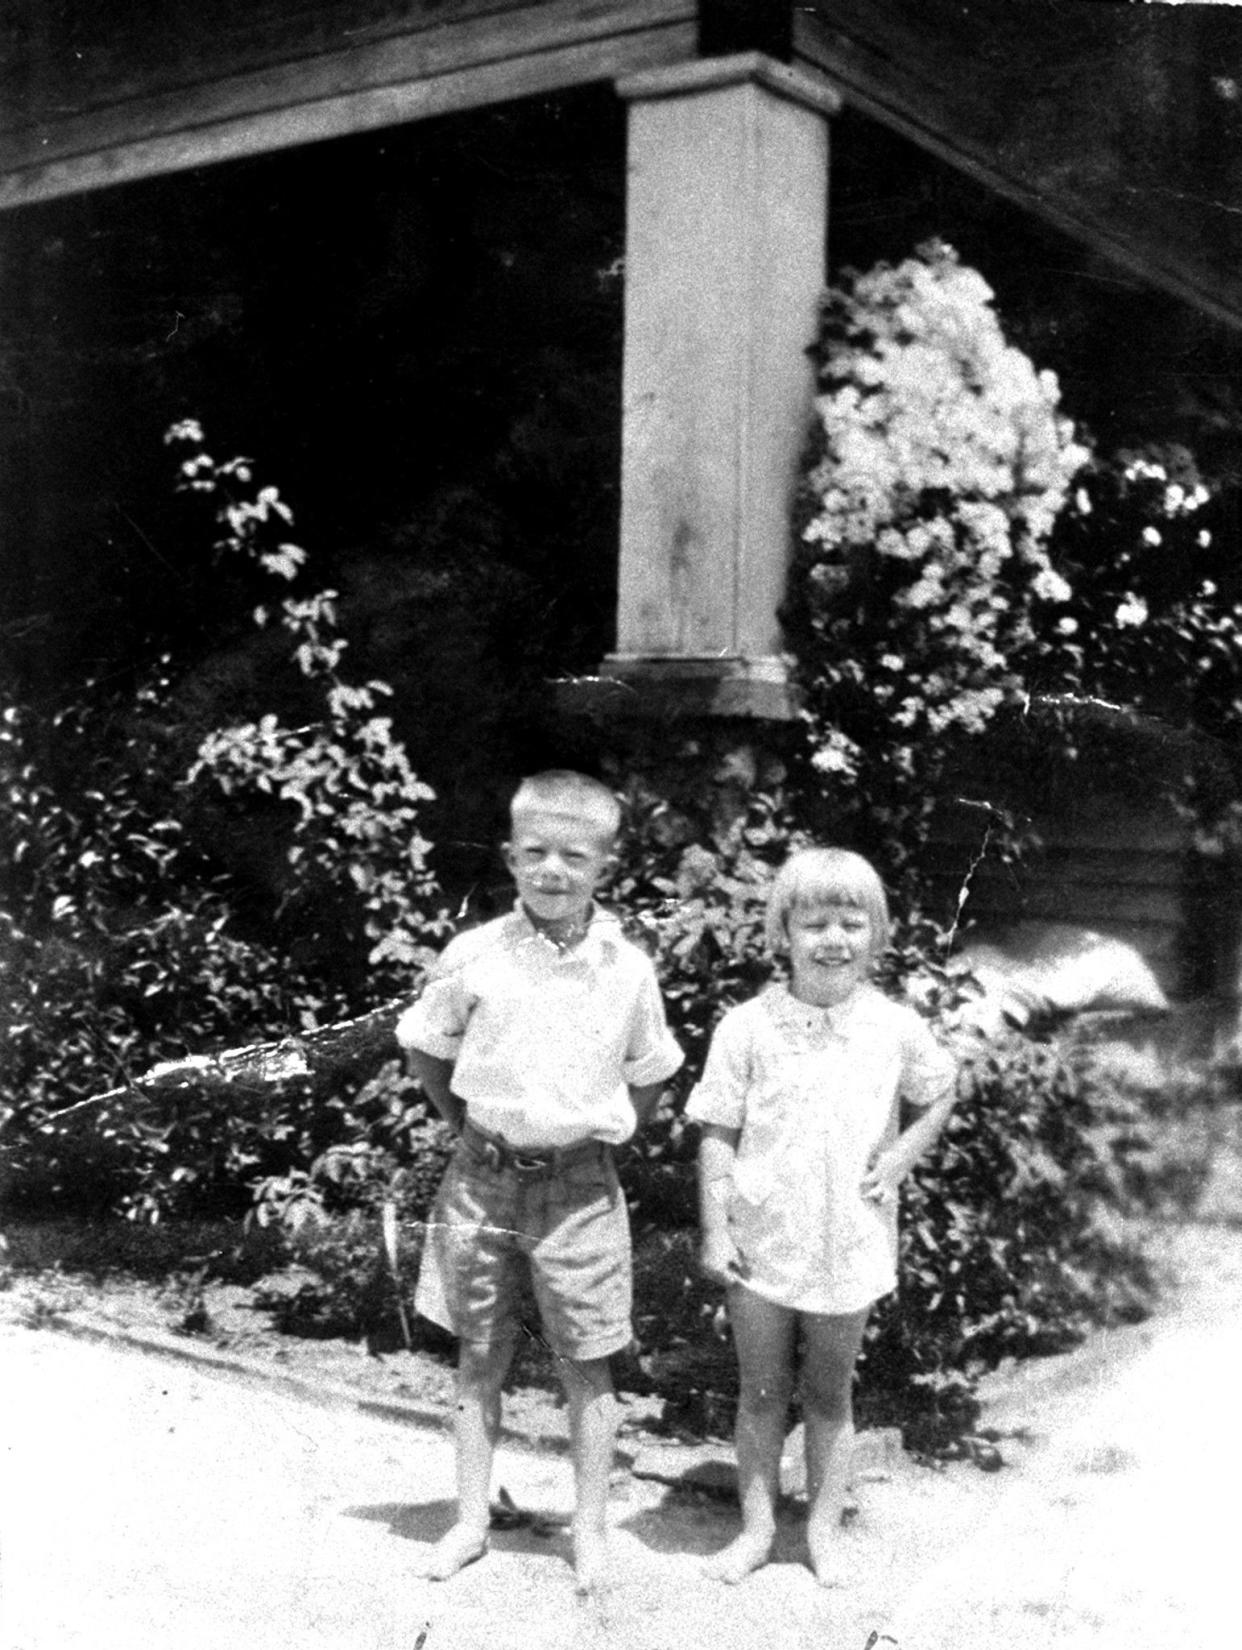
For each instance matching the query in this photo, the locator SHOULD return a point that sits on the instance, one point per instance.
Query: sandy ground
(149, 1504)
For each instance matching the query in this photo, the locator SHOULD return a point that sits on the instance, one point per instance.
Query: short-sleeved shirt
(545, 1041)
(815, 1093)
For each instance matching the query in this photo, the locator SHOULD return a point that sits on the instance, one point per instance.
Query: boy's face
(557, 861)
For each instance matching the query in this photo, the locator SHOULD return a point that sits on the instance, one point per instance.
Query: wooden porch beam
(904, 94)
(441, 70)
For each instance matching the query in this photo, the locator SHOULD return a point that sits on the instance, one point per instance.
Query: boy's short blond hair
(573, 795)
(827, 876)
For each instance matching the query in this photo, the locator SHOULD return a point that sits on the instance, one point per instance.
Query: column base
(672, 689)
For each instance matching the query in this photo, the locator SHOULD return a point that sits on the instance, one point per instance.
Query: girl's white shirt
(815, 1093)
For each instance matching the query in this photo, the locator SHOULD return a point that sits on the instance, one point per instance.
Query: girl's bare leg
(592, 1436)
(763, 1334)
(481, 1370)
(832, 1345)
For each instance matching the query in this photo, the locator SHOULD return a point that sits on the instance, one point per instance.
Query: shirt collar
(602, 930)
(839, 1020)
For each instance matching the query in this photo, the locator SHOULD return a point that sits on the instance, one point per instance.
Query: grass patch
(228, 1251)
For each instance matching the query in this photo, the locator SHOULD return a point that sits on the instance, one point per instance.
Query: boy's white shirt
(545, 1042)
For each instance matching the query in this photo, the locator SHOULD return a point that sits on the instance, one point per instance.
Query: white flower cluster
(941, 464)
(941, 453)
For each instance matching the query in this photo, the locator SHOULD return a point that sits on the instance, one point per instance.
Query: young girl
(799, 1167)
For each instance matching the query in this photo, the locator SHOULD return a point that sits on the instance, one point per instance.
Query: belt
(529, 1160)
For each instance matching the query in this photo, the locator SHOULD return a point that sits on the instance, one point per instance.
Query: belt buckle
(525, 1164)
(491, 1155)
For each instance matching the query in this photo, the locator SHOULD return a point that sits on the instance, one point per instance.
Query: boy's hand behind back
(434, 1077)
(645, 1097)
(722, 1262)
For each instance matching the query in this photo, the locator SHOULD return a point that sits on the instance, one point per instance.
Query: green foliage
(1026, 1227)
(1018, 1231)
(122, 946)
(937, 468)
(1148, 646)
(390, 1148)
(693, 895)
(358, 878)
(118, 951)
(387, 1160)
(1146, 623)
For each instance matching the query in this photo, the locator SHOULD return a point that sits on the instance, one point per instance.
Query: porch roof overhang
(1121, 124)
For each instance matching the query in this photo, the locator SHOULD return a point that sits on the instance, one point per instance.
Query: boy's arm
(434, 1077)
(720, 1260)
(645, 1097)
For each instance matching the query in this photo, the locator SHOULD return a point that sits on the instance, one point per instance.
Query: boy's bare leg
(763, 1334)
(592, 1436)
(832, 1345)
(481, 1370)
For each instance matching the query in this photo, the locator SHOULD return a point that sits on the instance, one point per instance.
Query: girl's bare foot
(456, 1548)
(590, 1560)
(824, 1541)
(746, 1552)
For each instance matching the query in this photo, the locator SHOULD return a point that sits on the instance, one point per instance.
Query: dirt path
(149, 1505)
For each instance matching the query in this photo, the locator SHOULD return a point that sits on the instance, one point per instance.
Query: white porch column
(724, 267)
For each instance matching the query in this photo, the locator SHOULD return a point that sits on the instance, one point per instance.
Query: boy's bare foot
(746, 1552)
(455, 1549)
(590, 1560)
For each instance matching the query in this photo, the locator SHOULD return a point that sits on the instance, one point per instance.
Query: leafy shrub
(122, 946)
(1138, 682)
(1190, 1108)
(358, 880)
(346, 1286)
(117, 951)
(693, 896)
(390, 1148)
(1017, 1233)
(1151, 620)
(387, 1162)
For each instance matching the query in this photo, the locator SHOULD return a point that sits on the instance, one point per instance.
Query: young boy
(540, 1037)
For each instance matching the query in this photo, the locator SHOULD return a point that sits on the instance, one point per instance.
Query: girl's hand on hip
(722, 1262)
(882, 1181)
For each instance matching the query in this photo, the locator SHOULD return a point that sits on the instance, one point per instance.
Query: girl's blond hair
(827, 876)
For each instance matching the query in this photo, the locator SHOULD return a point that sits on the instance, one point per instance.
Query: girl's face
(831, 950)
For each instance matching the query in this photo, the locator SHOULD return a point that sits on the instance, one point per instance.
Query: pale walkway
(148, 1505)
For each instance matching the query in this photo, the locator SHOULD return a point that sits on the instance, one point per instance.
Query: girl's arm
(890, 1167)
(719, 1257)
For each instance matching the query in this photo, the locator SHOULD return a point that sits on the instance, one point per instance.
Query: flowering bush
(939, 463)
(1149, 646)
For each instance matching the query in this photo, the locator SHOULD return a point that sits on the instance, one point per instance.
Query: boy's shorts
(568, 1230)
